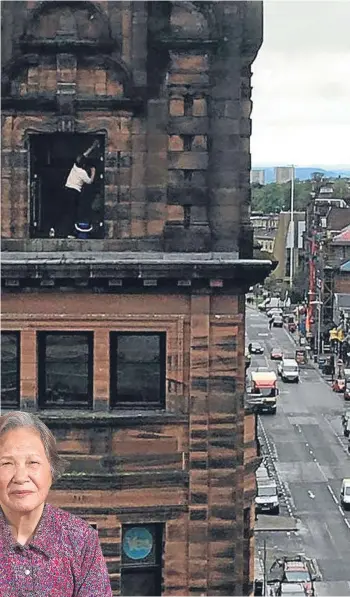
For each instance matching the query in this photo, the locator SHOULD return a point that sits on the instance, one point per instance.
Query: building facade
(257, 177)
(129, 343)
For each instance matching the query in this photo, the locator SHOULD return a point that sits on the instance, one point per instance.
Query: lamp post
(291, 261)
(319, 307)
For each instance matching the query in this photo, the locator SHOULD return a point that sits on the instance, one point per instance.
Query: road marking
(311, 495)
(263, 334)
(333, 494)
(341, 511)
(347, 522)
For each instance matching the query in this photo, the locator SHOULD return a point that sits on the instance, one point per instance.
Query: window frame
(128, 568)
(41, 368)
(17, 335)
(113, 364)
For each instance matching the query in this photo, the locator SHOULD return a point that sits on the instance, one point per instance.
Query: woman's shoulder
(69, 523)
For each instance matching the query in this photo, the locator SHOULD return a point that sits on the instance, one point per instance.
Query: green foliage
(274, 197)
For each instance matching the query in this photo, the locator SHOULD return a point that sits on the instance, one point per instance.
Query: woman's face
(25, 472)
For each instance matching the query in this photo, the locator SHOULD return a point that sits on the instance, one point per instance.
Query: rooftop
(343, 236)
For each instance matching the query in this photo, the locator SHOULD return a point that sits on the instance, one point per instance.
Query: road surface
(309, 453)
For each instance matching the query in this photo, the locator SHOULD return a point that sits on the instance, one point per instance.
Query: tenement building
(123, 295)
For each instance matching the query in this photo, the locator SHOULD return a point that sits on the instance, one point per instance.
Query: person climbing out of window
(75, 206)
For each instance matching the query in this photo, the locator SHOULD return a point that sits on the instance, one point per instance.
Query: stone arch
(47, 6)
(189, 20)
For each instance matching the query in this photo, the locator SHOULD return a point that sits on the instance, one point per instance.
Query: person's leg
(63, 225)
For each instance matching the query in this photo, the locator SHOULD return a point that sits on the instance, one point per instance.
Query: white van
(288, 369)
(267, 497)
(345, 494)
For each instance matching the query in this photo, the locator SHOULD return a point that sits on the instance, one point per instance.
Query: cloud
(301, 84)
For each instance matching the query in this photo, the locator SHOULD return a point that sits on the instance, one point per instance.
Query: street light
(319, 307)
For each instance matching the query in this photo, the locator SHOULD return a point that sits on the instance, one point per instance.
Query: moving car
(288, 369)
(276, 354)
(273, 312)
(256, 348)
(345, 494)
(267, 497)
(277, 321)
(264, 391)
(293, 570)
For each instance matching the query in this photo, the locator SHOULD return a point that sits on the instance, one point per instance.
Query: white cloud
(301, 85)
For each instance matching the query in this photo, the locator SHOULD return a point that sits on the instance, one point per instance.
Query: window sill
(117, 418)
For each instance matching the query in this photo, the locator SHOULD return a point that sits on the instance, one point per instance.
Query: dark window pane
(140, 582)
(10, 369)
(138, 368)
(65, 369)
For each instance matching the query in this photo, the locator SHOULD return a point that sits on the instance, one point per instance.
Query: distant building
(283, 174)
(257, 176)
(265, 239)
(264, 221)
(283, 244)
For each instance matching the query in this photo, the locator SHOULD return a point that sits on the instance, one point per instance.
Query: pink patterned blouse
(64, 559)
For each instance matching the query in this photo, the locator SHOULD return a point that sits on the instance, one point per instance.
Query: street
(310, 459)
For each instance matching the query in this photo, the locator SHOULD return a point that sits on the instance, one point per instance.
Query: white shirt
(76, 178)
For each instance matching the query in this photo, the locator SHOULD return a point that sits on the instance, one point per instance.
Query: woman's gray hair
(19, 419)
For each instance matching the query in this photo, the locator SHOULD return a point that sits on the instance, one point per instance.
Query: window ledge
(117, 418)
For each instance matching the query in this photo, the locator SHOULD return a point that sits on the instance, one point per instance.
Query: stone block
(199, 107)
(188, 160)
(175, 143)
(176, 107)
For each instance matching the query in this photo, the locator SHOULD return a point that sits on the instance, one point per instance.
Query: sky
(301, 85)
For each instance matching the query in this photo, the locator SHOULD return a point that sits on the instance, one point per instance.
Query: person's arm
(94, 580)
(88, 179)
(91, 149)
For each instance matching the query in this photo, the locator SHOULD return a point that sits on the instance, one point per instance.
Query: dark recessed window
(10, 374)
(65, 369)
(141, 570)
(138, 369)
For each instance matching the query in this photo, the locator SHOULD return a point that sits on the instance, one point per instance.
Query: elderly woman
(44, 551)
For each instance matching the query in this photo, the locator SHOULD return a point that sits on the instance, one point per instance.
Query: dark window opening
(10, 369)
(246, 549)
(188, 105)
(65, 369)
(188, 175)
(187, 216)
(188, 140)
(51, 158)
(141, 571)
(138, 369)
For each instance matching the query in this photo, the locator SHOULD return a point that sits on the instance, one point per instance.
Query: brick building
(130, 343)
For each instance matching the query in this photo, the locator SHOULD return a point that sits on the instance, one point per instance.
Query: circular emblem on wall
(137, 543)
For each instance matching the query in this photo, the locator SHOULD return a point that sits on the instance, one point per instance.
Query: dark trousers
(69, 214)
(74, 211)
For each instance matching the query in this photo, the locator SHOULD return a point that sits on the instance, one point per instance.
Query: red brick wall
(203, 346)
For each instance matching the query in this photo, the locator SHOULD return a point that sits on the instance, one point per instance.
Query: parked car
(345, 494)
(256, 348)
(261, 473)
(345, 420)
(338, 385)
(277, 321)
(347, 392)
(276, 354)
(288, 369)
(292, 570)
(267, 498)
